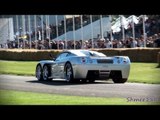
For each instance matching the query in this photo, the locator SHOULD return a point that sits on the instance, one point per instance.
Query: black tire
(39, 72)
(46, 73)
(91, 80)
(84, 80)
(117, 77)
(118, 80)
(69, 72)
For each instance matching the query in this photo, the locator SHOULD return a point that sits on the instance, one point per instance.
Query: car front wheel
(69, 72)
(46, 73)
(39, 73)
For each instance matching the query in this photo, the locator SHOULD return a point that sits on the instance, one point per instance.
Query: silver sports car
(84, 65)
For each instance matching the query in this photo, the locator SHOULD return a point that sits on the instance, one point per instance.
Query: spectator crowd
(152, 27)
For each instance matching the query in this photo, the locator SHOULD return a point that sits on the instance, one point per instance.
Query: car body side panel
(60, 68)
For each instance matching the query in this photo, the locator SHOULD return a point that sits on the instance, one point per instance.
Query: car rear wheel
(118, 80)
(117, 77)
(39, 73)
(46, 73)
(84, 80)
(69, 72)
(91, 80)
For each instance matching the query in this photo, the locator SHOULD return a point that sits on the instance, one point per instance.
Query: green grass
(140, 72)
(17, 67)
(8, 97)
(145, 73)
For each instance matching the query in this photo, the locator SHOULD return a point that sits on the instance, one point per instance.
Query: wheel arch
(39, 64)
(66, 63)
(46, 62)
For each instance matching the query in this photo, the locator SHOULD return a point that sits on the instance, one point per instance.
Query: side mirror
(51, 56)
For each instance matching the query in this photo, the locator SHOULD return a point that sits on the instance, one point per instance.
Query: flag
(57, 30)
(65, 31)
(24, 30)
(135, 19)
(29, 30)
(82, 31)
(101, 26)
(39, 35)
(91, 31)
(133, 31)
(73, 31)
(144, 32)
(17, 23)
(124, 22)
(110, 20)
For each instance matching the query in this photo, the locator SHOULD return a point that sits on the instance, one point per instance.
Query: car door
(55, 67)
(60, 62)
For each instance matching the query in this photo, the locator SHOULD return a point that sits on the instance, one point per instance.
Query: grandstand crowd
(152, 28)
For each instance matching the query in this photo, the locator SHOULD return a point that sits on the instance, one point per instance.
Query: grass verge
(9, 97)
(145, 73)
(18, 67)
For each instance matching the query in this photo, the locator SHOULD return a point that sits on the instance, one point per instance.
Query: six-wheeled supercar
(85, 65)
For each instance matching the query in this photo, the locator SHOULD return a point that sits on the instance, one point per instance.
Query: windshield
(93, 54)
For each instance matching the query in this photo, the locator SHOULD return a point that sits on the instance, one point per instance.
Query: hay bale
(27, 55)
(135, 54)
(109, 52)
(131, 53)
(141, 54)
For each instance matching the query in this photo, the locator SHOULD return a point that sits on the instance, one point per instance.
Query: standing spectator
(157, 41)
(119, 44)
(108, 43)
(133, 42)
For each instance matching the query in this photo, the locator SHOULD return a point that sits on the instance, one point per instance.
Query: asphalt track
(97, 89)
